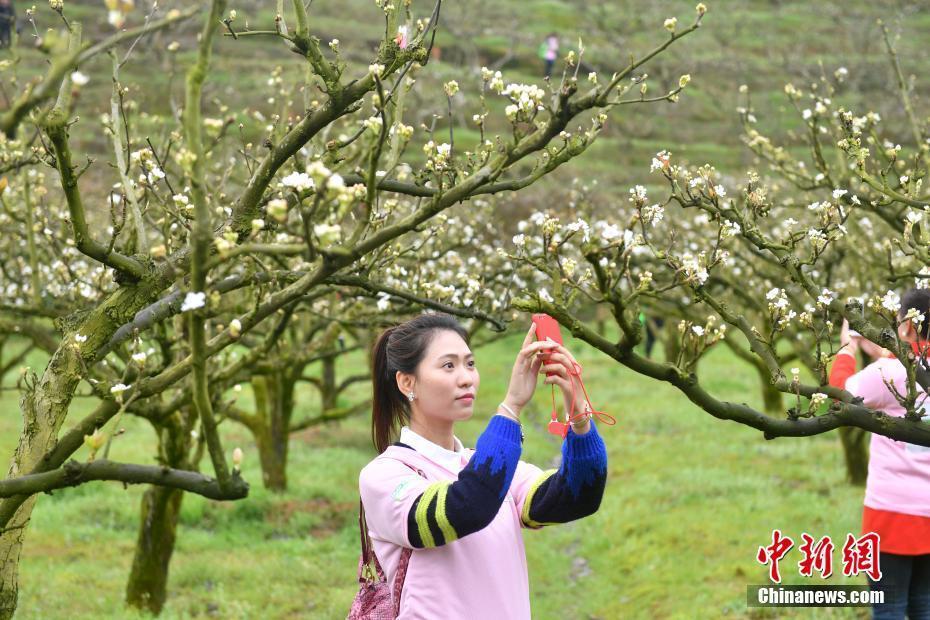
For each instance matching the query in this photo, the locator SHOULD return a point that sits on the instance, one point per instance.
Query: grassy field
(689, 500)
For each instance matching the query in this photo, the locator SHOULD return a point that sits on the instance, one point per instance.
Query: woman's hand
(525, 372)
(563, 364)
(849, 344)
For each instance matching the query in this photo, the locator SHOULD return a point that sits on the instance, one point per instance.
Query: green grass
(689, 499)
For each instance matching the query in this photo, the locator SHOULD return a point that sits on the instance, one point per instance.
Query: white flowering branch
(374, 287)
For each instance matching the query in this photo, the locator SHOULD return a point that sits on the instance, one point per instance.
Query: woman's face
(446, 372)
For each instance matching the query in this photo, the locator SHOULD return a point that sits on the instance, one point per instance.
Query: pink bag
(376, 600)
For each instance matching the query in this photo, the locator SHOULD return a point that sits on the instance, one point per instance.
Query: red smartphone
(547, 327)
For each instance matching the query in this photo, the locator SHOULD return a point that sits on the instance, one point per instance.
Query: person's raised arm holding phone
(458, 512)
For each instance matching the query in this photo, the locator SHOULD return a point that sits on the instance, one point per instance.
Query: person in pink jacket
(463, 516)
(897, 492)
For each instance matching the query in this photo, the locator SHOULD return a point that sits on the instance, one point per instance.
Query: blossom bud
(277, 208)
(235, 328)
(670, 24)
(95, 441)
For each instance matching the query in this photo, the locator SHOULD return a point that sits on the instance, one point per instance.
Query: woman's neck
(437, 431)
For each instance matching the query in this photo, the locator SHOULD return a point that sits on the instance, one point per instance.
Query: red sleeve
(843, 368)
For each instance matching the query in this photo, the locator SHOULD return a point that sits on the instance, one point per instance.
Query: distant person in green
(7, 21)
(549, 51)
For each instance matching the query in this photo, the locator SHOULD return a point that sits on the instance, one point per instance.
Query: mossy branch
(74, 473)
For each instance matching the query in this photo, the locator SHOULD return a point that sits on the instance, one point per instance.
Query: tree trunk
(328, 392)
(671, 341)
(147, 587)
(11, 543)
(771, 397)
(44, 406)
(855, 443)
(148, 579)
(274, 406)
(272, 451)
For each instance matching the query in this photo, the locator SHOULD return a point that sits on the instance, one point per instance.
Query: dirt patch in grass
(331, 516)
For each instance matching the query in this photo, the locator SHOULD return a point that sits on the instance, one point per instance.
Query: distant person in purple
(549, 51)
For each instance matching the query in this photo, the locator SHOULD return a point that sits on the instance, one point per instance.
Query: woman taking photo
(897, 492)
(453, 515)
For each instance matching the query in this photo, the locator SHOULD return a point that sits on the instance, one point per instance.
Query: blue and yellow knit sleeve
(450, 510)
(575, 489)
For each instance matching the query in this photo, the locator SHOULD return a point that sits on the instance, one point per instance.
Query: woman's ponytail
(387, 407)
(400, 348)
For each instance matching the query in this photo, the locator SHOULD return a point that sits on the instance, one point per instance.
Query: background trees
(207, 254)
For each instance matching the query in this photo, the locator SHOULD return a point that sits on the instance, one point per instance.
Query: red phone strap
(561, 428)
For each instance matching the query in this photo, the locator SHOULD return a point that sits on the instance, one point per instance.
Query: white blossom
(693, 269)
(730, 229)
(891, 302)
(660, 161)
(914, 316)
(299, 181)
(193, 300)
(653, 214)
(923, 278)
(826, 297)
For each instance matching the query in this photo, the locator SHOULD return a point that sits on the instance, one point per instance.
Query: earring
(411, 396)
